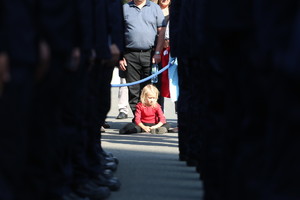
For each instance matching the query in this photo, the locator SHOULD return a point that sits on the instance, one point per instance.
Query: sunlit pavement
(149, 166)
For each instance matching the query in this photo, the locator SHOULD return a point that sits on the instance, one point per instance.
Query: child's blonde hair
(148, 89)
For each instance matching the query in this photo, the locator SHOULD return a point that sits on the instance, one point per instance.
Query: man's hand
(156, 59)
(4, 71)
(123, 64)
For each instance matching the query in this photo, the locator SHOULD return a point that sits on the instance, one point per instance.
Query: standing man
(144, 38)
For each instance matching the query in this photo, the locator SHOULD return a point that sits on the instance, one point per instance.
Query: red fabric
(165, 90)
(149, 114)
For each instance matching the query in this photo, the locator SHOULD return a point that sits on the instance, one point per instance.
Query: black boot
(112, 183)
(93, 191)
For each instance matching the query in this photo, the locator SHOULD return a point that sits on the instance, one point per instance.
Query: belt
(138, 50)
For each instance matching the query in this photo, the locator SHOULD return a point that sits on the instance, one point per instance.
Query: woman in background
(164, 87)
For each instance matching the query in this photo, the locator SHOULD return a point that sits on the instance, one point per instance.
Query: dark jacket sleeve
(175, 12)
(116, 23)
(57, 23)
(85, 37)
(20, 31)
(101, 30)
(2, 45)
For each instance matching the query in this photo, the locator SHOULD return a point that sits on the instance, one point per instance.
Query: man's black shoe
(112, 183)
(73, 196)
(93, 191)
(191, 162)
(122, 116)
(182, 157)
(111, 159)
(108, 162)
(107, 173)
(198, 168)
(106, 125)
(110, 165)
(109, 154)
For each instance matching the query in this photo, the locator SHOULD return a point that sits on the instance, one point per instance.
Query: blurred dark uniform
(284, 119)
(114, 35)
(56, 25)
(277, 118)
(182, 103)
(180, 25)
(87, 94)
(189, 49)
(108, 30)
(230, 26)
(18, 38)
(44, 131)
(82, 96)
(74, 164)
(205, 105)
(242, 56)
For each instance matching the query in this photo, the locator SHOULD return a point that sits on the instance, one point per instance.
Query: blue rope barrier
(142, 80)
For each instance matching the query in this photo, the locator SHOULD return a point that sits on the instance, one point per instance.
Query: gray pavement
(149, 168)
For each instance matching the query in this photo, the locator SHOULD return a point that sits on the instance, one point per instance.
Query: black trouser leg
(138, 67)
(46, 144)
(16, 109)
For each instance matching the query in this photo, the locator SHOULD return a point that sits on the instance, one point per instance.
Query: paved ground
(149, 168)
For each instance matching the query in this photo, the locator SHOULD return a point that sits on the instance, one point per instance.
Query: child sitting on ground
(149, 116)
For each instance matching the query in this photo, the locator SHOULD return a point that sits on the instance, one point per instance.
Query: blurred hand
(147, 129)
(166, 44)
(44, 60)
(153, 127)
(4, 71)
(74, 60)
(123, 64)
(115, 54)
(156, 59)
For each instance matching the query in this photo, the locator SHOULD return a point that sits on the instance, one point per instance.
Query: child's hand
(147, 129)
(156, 125)
(153, 127)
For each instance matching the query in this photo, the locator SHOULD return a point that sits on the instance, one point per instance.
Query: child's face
(151, 99)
